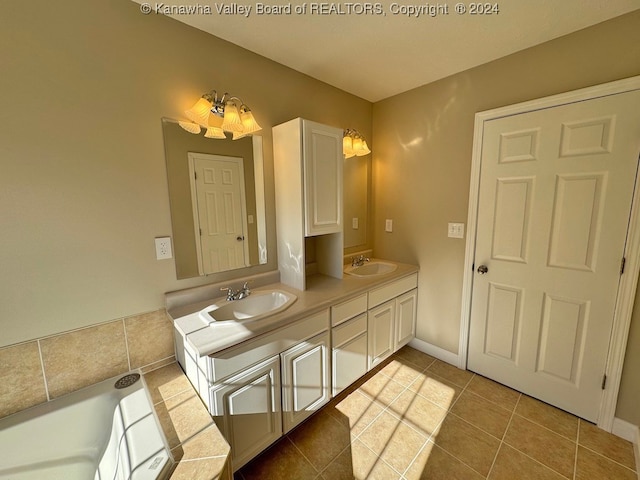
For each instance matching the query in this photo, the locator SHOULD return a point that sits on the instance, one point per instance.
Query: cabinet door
(381, 322)
(323, 165)
(305, 379)
(247, 410)
(406, 309)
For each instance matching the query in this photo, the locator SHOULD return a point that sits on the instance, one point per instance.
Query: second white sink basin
(375, 267)
(259, 304)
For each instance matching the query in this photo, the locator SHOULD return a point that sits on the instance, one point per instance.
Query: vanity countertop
(322, 292)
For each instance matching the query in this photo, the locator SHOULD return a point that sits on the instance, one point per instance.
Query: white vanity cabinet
(261, 388)
(349, 342)
(308, 171)
(305, 379)
(247, 409)
(391, 318)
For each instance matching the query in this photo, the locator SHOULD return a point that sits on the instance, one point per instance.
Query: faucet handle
(231, 293)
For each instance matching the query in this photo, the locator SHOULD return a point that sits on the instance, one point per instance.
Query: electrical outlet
(163, 248)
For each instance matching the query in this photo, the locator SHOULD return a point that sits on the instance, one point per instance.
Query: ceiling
(380, 55)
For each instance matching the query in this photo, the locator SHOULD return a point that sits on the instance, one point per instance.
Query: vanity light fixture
(220, 115)
(354, 144)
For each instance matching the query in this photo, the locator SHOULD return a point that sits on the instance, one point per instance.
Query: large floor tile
(511, 464)
(561, 422)
(494, 392)
(543, 445)
(607, 444)
(469, 444)
(402, 372)
(591, 466)
(358, 462)
(414, 356)
(282, 460)
(453, 374)
(381, 388)
(357, 410)
(393, 441)
(321, 438)
(418, 412)
(485, 415)
(436, 389)
(434, 463)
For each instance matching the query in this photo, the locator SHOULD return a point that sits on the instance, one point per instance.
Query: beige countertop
(322, 292)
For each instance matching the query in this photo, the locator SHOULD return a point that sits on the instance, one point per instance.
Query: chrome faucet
(232, 294)
(358, 261)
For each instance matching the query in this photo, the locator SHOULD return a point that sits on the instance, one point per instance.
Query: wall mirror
(356, 200)
(216, 195)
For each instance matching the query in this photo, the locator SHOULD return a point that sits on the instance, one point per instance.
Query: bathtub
(97, 433)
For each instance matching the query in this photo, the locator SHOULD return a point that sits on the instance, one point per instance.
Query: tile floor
(416, 417)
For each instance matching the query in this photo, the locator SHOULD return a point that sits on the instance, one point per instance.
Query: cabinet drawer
(239, 358)
(392, 290)
(348, 330)
(349, 309)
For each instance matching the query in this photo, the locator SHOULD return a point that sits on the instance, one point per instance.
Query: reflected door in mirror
(217, 192)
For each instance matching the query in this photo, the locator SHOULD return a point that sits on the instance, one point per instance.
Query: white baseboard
(626, 430)
(630, 432)
(437, 352)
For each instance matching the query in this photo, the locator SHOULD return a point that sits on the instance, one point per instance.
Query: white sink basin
(370, 269)
(259, 304)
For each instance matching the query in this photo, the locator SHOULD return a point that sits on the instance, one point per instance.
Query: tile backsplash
(43, 369)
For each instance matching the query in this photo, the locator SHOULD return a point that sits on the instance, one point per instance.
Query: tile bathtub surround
(416, 417)
(46, 368)
(21, 380)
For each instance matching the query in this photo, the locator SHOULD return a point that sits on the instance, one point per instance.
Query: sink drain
(127, 380)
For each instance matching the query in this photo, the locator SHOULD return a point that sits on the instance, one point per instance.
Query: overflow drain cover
(127, 380)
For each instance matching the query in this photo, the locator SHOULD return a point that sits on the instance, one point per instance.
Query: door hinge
(195, 175)
(604, 381)
(200, 231)
(624, 260)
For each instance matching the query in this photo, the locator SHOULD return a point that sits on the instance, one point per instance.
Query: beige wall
(422, 158)
(83, 188)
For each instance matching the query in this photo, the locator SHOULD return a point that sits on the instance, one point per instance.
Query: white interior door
(219, 212)
(555, 195)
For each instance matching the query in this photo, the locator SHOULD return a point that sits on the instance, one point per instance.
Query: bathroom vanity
(259, 379)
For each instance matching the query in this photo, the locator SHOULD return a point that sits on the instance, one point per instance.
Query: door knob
(240, 238)
(482, 269)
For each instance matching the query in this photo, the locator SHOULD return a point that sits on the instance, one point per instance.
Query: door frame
(628, 281)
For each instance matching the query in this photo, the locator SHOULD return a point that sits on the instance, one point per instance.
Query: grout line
(44, 373)
(126, 343)
(504, 435)
(575, 458)
(318, 472)
(608, 458)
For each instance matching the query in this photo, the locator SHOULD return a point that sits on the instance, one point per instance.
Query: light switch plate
(163, 248)
(388, 225)
(354, 223)
(456, 230)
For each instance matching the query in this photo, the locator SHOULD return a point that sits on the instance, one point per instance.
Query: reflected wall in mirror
(356, 199)
(216, 195)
